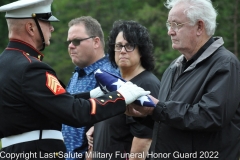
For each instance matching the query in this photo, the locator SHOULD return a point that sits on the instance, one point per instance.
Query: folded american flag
(109, 82)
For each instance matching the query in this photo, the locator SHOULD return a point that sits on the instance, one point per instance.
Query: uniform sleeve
(214, 110)
(83, 95)
(43, 92)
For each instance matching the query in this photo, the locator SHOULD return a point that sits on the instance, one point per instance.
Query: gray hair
(92, 26)
(198, 10)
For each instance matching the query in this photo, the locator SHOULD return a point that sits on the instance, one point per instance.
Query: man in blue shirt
(86, 49)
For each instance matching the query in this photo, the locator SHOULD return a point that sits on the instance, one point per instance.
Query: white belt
(31, 136)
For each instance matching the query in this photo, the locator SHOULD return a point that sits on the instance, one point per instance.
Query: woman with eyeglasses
(130, 48)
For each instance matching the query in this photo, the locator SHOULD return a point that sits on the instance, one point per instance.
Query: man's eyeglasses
(175, 26)
(77, 42)
(128, 47)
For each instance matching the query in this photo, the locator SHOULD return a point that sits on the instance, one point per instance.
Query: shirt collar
(201, 50)
(89, 69)
(198, 54)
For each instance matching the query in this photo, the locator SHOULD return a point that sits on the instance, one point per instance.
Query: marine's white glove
(96, 92)
(131, 92)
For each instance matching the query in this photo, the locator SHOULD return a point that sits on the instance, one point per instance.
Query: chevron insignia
(53, 84)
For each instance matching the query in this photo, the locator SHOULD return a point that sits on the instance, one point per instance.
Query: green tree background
(150, 13)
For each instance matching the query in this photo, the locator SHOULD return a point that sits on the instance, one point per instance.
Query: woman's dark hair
(134, 33)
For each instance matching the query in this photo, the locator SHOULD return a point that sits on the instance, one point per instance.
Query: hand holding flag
(109, 82)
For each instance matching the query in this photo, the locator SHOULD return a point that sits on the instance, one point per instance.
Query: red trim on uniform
(24, 53)
(54, 85)
(93, 110)
(17, 40)
(109, 101)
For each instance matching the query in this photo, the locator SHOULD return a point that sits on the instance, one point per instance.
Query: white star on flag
(98, 71)
(104, 88)
(143, 99)
(118, 83)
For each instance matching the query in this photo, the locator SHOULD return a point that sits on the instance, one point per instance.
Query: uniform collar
(93, 67)
(25, 47)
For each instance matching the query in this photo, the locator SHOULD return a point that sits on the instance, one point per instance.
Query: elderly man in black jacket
(197, 114)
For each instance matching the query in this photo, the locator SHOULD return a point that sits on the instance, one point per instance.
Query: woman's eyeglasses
(128, 47)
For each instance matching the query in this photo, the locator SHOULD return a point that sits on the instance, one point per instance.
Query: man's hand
(131, 92)
(135, 110)
(140, 111)
(155, 100)
(89, 135)
(130, 111)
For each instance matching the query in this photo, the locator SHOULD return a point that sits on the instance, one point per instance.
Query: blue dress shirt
(83, 80)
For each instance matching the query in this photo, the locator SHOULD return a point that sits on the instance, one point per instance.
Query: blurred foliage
(150, 13)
